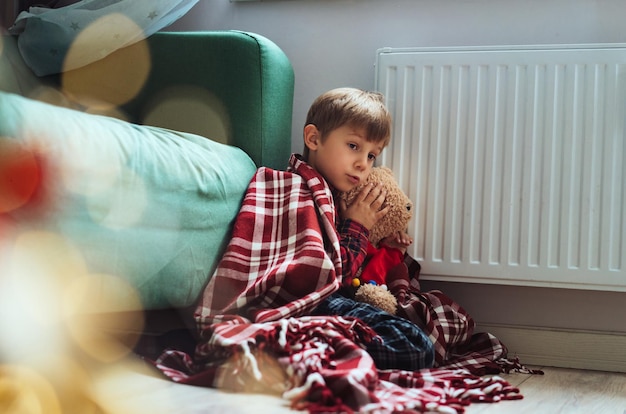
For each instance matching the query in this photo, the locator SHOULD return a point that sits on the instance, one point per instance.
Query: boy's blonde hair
(353, 107)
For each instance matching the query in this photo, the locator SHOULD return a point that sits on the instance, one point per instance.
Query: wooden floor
(564, 391)
(557, 391)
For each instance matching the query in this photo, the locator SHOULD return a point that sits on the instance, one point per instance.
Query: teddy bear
(369, 285)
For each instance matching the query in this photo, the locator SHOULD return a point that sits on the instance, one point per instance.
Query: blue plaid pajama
(403, 346)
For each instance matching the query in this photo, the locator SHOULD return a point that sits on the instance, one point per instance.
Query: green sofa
(134, 185)
(248, 76)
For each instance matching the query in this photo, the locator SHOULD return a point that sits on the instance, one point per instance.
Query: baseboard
(601, 351)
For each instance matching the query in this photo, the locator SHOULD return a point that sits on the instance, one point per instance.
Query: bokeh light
(115, 196)
(20, 175)
(121, 203)
(60, 326)
(32, 274)
(191, 109)
(101, 164)
(51, 95)
(103, 314)
(24, 390)
(118, 76)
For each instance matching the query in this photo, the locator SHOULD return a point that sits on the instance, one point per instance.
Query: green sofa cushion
(148, 204)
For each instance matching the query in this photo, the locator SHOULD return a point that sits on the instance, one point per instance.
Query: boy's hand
(366, 208)
(400, 241)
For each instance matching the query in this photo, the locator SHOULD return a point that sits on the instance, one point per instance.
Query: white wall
(333, 43)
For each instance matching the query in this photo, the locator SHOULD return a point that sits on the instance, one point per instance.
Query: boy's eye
(352, 146)
(372, 157)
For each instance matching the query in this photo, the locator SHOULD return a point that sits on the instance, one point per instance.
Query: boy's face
(345, 158)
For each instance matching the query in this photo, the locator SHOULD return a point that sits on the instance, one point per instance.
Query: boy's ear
(311, 136)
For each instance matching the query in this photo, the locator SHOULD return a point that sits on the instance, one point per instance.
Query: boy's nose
(362, 162)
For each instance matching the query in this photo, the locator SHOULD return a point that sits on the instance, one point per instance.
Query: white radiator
(514, 159)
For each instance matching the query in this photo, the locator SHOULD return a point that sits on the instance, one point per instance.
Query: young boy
(292, 245)
(345, 131)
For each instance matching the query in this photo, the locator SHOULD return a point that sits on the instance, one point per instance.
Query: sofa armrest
(243, 80)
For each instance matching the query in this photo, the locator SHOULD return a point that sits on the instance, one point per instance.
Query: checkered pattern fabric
(448, 325)
(319, 364)
(270, 319)
(284, 257)
(399, 344)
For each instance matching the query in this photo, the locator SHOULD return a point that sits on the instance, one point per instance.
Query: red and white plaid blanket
(257, 335)
(284, 256)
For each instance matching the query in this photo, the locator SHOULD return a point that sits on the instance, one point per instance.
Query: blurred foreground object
(57, 40)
